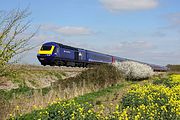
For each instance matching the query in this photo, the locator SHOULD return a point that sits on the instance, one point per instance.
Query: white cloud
(124, 5)
(67, 30)
(131, 47)
(136, 50)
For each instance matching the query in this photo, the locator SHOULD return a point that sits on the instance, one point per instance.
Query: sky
(144, 30)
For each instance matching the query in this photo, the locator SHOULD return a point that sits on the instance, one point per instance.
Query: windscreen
(45, 47)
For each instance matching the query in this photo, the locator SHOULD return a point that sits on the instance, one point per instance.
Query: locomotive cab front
(46, 50)
(47, 54)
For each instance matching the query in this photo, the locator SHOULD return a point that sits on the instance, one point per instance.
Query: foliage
(99, 76)
(45, 90)
(8, 94)
(13, 41)
(133, 70)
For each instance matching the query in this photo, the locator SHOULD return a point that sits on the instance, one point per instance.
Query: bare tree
(14, 38)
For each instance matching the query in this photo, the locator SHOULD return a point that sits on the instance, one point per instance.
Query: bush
(174, 68)
(134, 71)
(101, 76)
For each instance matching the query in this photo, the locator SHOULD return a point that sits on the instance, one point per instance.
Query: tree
(13, 36)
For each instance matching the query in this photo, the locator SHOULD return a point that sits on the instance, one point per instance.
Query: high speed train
(52, 53)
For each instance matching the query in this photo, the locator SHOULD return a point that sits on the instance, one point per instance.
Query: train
(57, 54)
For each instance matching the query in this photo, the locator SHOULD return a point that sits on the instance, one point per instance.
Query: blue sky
(145, 30)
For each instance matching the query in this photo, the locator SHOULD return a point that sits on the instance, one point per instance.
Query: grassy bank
(90, 80)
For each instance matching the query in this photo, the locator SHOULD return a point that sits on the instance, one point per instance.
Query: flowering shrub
(133, 70)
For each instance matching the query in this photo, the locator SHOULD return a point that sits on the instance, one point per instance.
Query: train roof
(75, 47)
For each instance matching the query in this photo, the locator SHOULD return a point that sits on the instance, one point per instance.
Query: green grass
(91, 97)
(8, 94)
(57, 74)
(106, 92)
(46, 90)
(17, 77)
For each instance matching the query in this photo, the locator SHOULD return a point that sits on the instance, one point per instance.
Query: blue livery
(53, 53)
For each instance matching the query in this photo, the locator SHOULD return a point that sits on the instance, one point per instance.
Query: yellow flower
(89, 111)
(164, 108)
(46, 112)
(10, 115)
(102, 106)
(111, 104)
(35, 107)
(17, 107)
(73, 116)
(137, 117)
(117, 107)
(40, 113)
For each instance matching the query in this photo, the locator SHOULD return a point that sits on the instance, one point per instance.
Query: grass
(97, 86)
(90, 97)
(7, 95)
(92, 85)
(88, 81)
(35, 91)
(46, 90)
(20, 77)
(84, 100)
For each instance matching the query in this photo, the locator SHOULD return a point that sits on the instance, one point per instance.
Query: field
(96, 93)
